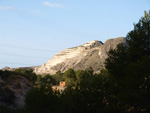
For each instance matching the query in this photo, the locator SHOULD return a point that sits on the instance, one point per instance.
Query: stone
(91, 54)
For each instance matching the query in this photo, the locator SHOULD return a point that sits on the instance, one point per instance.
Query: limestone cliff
(91, 54)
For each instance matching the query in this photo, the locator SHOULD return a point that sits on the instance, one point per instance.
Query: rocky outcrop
(91, 54)
(13, 91)
(20, 87)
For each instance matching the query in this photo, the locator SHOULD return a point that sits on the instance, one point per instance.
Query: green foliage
(79, 75)
(72, 102)
(130, 68)
(117, 61)
(27, 73)
(41, 100)
(45, 79)
(48, 79)
(38, 80)
(139, 38)
(69, 77)
(85, 78)
(58, 77)
(88, 95)
(69, 74)
(5, 74)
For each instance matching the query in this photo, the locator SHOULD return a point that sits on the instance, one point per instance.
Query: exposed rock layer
(91, 54)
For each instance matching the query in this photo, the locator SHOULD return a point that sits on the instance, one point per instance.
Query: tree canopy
(130, 67)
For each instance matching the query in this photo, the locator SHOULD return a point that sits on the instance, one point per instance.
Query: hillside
(91, 54)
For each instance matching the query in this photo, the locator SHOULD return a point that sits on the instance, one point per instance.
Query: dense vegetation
(122, 87)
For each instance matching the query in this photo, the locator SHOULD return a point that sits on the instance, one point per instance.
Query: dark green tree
(48, 79)
(130, 68)
(58, 77)
(139, 38)
(139, 52)
(42, 100)
(85, 97)
(117, 61)
(69, 77)
(28, 73)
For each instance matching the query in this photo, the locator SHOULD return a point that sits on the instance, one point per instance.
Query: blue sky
(32, 31)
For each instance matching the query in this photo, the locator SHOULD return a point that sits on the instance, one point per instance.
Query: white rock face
(68, 58)
(91, 54)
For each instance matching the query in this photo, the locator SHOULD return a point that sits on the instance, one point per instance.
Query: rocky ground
(13, 91)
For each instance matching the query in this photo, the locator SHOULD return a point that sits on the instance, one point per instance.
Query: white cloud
(6, 8)
(49, 4)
